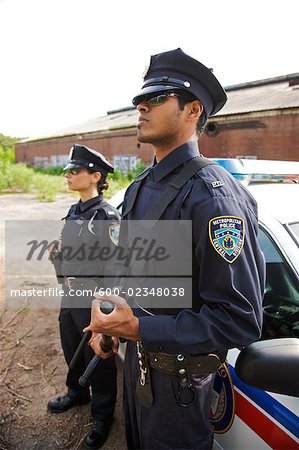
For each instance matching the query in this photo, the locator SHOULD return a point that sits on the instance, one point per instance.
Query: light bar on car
(261, 170)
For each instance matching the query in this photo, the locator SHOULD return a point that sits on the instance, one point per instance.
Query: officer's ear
(96, 176)
(194, 110)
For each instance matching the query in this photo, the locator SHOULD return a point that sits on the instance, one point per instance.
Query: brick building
(260, 120)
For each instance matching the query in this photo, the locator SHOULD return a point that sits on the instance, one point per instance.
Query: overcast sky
(66, 61)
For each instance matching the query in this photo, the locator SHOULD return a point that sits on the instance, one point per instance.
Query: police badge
(114, 233)
(227, 236)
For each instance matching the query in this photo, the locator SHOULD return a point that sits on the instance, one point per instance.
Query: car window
(281, 300)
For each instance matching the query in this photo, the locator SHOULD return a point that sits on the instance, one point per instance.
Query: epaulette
(110, 212)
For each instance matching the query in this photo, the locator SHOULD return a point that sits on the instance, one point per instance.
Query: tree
(7, 148)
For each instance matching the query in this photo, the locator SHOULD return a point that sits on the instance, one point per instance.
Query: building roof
(262, 95)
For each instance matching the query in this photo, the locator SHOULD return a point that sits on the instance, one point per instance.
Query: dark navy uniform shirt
(82, 209)
(228, 269)
(89, 225)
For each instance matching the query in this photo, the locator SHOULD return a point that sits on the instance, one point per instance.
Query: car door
(265, 420)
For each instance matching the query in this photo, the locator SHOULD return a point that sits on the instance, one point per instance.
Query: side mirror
(271, 365)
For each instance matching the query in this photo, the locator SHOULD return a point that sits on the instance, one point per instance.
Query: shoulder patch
(227, 236)
(114, 233)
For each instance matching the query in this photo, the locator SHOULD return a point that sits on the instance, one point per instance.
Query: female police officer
(88, 223)
(182, 349)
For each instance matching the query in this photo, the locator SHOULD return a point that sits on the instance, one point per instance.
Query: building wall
(120, 147)
(272, 135)
(266, 135)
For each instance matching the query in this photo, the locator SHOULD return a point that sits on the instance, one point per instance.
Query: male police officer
(89, 222)
(182, 350)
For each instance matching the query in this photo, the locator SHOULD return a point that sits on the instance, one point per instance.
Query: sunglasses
(158, 99)
(74, 171)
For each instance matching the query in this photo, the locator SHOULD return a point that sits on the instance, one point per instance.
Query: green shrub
(114, 186)
(19, 178)
(140, 167)
(45, 183)
(116, 175)
(15, 177)
(47, 186)
(57, 170)
(7, 156)
(3, 179)
(7, 148)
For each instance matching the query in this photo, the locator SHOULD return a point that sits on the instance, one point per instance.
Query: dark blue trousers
(103, 381)
(166, 425)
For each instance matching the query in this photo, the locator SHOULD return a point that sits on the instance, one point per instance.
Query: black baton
(106, 344)
(82, 344)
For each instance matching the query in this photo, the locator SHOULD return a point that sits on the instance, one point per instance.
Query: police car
(255, 399)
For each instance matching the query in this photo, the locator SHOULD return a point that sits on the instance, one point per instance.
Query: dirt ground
(32, 367)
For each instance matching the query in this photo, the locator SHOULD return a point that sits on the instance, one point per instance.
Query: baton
(106, 344)
(82, 344)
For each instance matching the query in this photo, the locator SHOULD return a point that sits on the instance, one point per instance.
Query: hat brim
(95, 168)
(152, 89)
(72, 166)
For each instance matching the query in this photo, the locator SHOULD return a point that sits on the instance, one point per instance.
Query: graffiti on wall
(52, 161)
(124, 163)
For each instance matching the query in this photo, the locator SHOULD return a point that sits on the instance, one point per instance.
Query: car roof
(277, 206)
(281, 200)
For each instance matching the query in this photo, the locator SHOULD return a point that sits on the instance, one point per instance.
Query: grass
(116, 185)
(20, 178)
(47, 186)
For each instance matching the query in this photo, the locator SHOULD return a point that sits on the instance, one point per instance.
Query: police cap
(81, 156)
(175, 70)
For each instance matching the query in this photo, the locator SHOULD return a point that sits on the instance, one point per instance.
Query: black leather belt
(185, 364)
(76, 283)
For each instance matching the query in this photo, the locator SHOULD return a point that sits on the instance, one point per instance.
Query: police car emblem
(222, 411)
(227, 236)
(114, 233)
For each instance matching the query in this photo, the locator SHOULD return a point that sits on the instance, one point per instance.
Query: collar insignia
(216, 184)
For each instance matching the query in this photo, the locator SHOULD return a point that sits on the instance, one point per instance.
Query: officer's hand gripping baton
(106, 344)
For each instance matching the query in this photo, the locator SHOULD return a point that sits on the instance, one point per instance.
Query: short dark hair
(186, 97)
(102, 184)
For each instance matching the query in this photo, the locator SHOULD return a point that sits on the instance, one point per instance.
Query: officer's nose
(142, 106)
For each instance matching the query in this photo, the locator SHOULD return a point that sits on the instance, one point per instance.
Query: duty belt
(185, 364)
(76, 283)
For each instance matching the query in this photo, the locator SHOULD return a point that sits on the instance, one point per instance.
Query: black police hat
(175, 70)
(81, 156)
